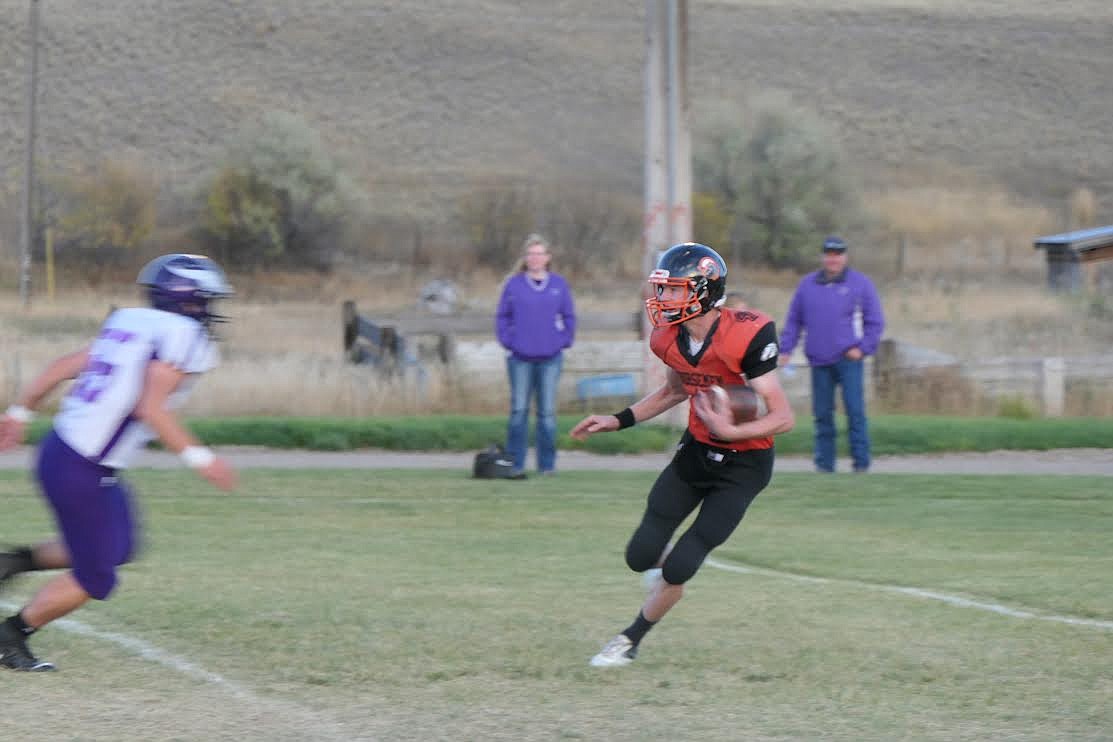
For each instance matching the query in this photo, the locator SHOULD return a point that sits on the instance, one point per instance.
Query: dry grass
(965, 229)
(423, 98)
(971, 124)
(284, 356)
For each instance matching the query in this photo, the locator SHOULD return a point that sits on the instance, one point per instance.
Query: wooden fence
(1045, 384)
(899, 372)
(901, 377)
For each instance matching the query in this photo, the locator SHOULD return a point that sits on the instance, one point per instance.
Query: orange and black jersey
(741, 345)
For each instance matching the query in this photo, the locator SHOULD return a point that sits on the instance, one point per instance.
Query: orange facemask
(665, 312)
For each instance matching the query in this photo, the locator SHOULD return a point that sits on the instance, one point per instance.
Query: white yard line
(148, 652)
(151, 653)
(916, 592)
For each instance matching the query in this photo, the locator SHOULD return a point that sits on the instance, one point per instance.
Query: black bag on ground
(492, 463)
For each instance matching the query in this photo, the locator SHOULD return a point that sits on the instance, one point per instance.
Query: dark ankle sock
(637, 630)
(18, 625)
(23, 560)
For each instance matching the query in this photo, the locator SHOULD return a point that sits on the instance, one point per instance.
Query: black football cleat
(15, 655)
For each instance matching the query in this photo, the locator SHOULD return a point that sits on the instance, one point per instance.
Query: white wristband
(197, 457)
(20, 414)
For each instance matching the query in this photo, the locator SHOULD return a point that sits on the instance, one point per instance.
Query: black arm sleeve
(761, 355)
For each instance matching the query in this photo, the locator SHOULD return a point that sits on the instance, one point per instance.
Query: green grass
(892, 434)
(425, 605)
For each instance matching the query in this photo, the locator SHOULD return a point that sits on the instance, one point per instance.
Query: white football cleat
(616, 653)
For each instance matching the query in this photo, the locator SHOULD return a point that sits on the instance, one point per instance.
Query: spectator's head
(536, 257)
(834, 255)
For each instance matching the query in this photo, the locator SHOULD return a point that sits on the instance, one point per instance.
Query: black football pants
(722, 483)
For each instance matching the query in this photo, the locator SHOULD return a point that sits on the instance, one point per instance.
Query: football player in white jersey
(129, 381)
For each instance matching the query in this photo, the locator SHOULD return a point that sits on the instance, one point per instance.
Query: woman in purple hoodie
(535, 322)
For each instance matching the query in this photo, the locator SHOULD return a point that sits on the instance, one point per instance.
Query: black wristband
(625, 418)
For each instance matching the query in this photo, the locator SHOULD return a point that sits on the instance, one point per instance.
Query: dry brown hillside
(427, 95)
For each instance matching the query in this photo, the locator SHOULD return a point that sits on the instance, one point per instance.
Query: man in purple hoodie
(839, 311)
(535, 322)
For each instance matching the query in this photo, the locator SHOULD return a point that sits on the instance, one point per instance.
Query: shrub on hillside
(111, 209)
(779, 175)
(496, 216)
(589, 226)
(712, 220)
(278, 197)
(586, 225)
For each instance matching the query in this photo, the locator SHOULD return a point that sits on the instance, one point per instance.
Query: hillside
(422, 97)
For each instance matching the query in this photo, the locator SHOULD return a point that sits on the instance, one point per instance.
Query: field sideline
(393, 604)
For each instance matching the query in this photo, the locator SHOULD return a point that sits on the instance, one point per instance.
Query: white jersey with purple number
(97, 418)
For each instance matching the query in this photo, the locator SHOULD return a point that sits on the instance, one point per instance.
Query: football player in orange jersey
(720, 466)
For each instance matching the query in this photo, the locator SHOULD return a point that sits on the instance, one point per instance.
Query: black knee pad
(647, 544)
(684, 561)
(641, 555)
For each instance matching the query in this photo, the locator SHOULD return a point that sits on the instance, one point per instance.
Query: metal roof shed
(1067, 251)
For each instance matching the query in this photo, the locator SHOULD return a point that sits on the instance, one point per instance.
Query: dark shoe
(861, 470)
(517, 475)
(14, 654)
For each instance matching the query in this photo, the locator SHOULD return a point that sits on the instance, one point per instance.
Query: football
(744, 402)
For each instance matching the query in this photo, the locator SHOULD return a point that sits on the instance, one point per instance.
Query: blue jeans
(533, 379)
(848, 375)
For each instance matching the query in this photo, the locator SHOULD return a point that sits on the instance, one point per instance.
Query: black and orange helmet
(691, 266)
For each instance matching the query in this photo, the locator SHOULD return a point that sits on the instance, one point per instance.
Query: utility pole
(668, 145)
(28, 215)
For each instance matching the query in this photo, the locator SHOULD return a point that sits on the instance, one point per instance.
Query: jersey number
(94, 379)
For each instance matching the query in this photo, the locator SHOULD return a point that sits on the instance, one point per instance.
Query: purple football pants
(93, 511)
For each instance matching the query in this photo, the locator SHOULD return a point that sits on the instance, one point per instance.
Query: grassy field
(419, 605)
(891, 434)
